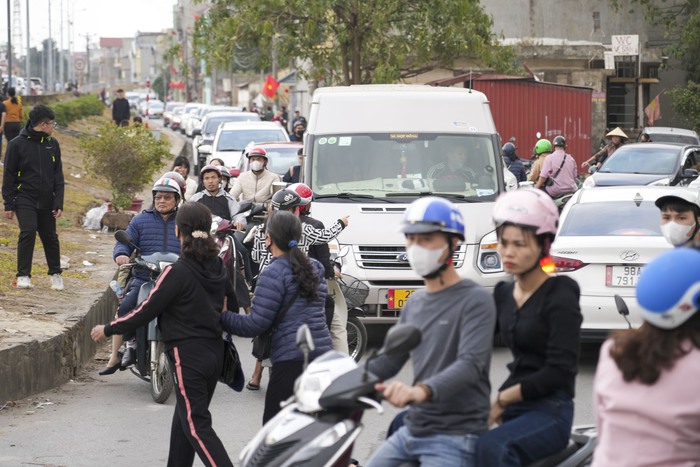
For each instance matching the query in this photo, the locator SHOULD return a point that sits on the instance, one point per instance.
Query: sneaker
(56, 282)
(24, 282)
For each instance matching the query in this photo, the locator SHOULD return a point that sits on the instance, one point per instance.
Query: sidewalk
(46, 346)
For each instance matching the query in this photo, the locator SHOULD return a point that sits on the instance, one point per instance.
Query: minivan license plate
(397, 298)
(622, 276)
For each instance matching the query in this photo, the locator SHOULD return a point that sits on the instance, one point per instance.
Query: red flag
(270, 88)
(653, 110)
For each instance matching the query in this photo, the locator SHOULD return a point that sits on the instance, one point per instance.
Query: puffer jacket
(152, 234)
(254, 187)
(33, 172)
(516, 167)
(275, 288)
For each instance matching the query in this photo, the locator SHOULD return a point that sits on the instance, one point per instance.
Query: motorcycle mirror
(304, 342)
(539, 135)
(400, 339)
(122, 237)
(622, 309)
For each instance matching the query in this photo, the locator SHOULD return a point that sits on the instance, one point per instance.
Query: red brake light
(567, 264)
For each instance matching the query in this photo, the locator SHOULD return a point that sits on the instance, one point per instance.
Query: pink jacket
(640, 425)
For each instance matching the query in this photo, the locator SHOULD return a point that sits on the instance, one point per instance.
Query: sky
(99, 18)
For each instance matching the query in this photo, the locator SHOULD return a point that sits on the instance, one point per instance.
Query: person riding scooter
(558, 176)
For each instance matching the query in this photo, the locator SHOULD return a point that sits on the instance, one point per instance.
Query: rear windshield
(237, 140)
(668, 138)
(395, 165)
(281, 159)
(642, 160)
(612, 219)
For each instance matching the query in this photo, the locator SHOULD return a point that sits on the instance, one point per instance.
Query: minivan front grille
(387, 257)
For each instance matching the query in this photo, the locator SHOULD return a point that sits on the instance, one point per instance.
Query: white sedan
(606, 236)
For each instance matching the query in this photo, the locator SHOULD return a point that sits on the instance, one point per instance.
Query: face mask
(423, 260)
(256, 165)
(676, 234)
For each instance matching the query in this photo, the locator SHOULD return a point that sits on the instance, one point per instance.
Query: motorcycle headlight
(489, 260)
(308, 389)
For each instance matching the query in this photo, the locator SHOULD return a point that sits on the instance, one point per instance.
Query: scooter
(151, 361)
(318, 425)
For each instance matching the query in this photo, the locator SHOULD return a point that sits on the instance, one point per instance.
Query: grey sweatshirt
(453, 358)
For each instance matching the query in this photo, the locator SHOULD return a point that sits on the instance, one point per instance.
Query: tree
(352, 41)
(127, 157)
(686, 101)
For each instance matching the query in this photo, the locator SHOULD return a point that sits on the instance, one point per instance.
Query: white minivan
(371, 150)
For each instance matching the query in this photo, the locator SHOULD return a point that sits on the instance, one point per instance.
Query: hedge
(75, 109)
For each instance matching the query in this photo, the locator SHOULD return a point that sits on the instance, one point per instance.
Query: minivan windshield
(395, 165)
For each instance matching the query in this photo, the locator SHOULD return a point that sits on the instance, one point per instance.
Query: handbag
(232, 371)
(262, 344)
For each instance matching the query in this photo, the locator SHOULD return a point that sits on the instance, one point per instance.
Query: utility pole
(49, 61)
(61, 67)
(28, 62)
(9, 46)
(87, 49)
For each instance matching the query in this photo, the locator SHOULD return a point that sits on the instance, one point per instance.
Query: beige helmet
(617, 132)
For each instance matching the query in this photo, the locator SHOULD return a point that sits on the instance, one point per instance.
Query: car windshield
(611, 219)
(674, 138)
(643, 160)
(155, 104)
(405, 165)
(281, 159)
(214, 122)
(237, 140)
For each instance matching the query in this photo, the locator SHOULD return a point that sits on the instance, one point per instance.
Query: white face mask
(256, 165)
(423, 260)
(676, 234)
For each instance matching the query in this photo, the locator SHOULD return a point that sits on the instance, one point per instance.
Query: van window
(393, 165)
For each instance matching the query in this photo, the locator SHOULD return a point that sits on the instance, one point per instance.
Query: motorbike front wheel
(357, 337)
(161, 376)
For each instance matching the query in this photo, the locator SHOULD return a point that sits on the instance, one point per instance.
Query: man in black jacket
(33, 188)
(120, 108)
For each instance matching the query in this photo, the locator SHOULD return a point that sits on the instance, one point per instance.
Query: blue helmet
(668, 290)
(433, 214)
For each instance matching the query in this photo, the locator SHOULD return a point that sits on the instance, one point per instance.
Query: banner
(653, 110)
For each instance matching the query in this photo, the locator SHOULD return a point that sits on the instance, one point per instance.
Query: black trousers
(196, 366)
(32, 220)
(11, 131)
(281, 386)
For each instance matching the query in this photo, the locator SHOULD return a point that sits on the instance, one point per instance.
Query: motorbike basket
(354, 290)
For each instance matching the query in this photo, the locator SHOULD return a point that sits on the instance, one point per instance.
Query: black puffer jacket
(33, 172)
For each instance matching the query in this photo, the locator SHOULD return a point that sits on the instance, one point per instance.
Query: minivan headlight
(489, 261)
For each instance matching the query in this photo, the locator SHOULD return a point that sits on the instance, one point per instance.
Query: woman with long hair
(188, 298)
(181, 165)
(539, 319)
(291, 281)
(648, 379)
(13, 120)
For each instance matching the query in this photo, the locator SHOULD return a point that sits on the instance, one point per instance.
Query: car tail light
(567, 264)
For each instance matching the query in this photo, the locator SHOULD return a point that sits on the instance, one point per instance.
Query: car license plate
(397, 298)
(622, 276)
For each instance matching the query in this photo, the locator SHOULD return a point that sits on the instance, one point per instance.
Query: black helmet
(508, 149)
(559, 141)
(285, 199)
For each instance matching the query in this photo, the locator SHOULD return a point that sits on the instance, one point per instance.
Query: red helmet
(303, 190)
(210, 168)
(257, 151)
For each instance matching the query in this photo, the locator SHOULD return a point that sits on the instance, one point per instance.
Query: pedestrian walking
(120, 109)
(14, 116)
(33, 188)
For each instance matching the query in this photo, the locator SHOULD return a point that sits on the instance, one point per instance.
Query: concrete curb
(41, 365)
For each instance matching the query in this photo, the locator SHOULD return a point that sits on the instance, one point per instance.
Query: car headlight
(662, 182)
(588, 183)
(489, 261)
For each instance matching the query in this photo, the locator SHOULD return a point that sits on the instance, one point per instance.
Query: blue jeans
(531, 430)
(431, 451)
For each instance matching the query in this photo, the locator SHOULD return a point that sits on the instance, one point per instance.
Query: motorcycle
(318, 425)
(354, 292)
(151, 361)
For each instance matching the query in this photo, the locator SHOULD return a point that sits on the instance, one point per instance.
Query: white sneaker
(56, 282)
(24, 282)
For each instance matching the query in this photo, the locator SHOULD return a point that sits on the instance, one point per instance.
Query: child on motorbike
(539, 320)
(450, 396)
(646, 384)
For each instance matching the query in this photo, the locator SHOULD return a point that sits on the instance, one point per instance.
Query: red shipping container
(521, 107)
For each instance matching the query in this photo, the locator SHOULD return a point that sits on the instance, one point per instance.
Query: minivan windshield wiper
(344, 195)
(420, 194)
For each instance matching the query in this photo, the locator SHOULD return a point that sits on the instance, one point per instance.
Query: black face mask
(299, 133)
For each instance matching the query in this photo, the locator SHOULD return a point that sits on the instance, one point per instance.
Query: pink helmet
(303, 190)
(527, 207)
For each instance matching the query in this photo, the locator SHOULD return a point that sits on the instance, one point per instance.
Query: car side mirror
(204, 149)
(196, 131)
(691, 174)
